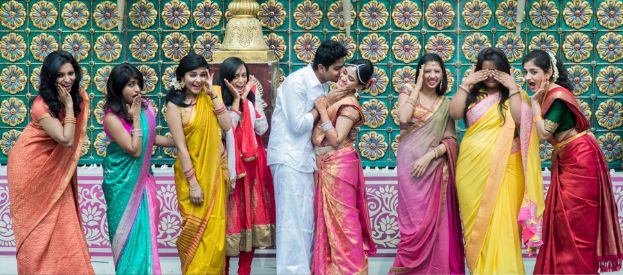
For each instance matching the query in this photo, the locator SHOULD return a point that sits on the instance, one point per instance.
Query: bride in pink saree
(343, 238)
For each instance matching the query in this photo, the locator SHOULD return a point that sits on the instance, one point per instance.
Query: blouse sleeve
(554, 115)
(350, 113)
(39, 110)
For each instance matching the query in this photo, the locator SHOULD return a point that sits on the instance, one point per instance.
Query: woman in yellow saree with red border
(498, 175)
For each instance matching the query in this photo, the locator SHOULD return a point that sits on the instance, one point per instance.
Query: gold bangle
(538, 118)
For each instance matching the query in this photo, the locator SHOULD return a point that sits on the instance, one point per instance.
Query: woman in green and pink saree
(129, 187)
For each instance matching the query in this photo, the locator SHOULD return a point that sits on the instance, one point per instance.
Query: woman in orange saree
(343, 238)
(42, 176)
(196, 117)
(498, 175)
(581, 233)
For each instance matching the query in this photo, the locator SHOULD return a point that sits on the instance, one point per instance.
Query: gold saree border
(259, 236)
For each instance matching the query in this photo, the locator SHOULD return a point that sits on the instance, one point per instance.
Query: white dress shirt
(292, 123)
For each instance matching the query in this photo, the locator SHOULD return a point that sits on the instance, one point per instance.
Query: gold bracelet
(511, 95)
(538, 118)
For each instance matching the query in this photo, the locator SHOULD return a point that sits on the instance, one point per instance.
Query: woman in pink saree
(343, 238)
(431, 240)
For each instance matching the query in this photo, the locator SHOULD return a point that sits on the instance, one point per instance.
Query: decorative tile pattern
(584, 34)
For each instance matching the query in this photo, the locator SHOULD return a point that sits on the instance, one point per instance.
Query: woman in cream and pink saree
(343, 237)
(498, 171)
(431, 241)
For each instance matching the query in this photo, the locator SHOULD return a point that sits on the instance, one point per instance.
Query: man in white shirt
(291, 155)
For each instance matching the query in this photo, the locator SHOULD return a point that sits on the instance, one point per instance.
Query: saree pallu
(201, 244)
(43, 191)
(581, 231)
(132, 203)
(431, 240)
(499, 186)
(343, 238)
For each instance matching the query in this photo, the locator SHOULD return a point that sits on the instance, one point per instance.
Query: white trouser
(294, 199)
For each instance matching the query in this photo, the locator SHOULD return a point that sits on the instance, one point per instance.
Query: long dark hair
(48, 77)
(443, 86)
(542, 60)
(188, 63)
(228, 71)
(498, 58)
(117, 80)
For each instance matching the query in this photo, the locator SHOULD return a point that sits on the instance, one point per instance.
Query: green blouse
(559, 117)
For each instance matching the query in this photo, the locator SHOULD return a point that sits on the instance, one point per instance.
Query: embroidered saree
(132, 203)
(581, 230)
(499, 187)
(201, 244)
(343, 238)
(431, 241)
(43, 189)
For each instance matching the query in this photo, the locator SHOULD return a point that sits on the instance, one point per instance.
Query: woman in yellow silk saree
(196, 117)
(498, 174)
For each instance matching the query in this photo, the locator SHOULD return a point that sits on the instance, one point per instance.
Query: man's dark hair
(327, 53)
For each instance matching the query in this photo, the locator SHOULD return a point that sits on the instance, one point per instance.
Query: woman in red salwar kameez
(250, 213)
